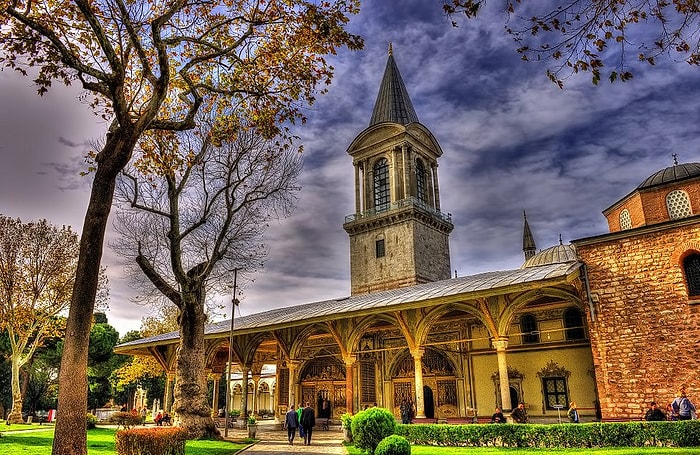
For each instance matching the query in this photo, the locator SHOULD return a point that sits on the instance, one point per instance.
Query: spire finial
(675, 159)
(560, 241)
(391, 49)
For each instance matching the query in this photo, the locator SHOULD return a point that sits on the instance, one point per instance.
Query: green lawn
(431, 450)
(100, 441)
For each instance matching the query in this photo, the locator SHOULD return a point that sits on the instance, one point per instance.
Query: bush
(567, 435)
(124, 419)
(91, 421)
(370, 426)
(151, 441)
(393, 445)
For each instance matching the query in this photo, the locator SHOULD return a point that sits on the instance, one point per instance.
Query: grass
(100, 442)
(432, 450)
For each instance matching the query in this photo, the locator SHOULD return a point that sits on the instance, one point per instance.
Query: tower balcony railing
(399, 205)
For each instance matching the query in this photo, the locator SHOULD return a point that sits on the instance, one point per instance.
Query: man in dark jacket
(290, 423)
(654, 413)
(308, 420)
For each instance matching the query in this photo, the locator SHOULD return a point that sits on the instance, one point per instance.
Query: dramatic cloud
(512, 141)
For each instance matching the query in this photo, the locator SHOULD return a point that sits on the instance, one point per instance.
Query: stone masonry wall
(646, 333)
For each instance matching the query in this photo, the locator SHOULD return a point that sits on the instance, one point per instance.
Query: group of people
(519, 414)
(162, 418)
(681, 408)
(303, 418)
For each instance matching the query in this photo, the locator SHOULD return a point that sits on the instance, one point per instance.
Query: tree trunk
(16, 412)
(191, 406)
(70, 436)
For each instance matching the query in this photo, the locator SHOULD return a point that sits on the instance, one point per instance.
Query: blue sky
(512, 141)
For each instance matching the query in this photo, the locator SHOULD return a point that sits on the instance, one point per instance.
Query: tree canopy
(602, 38)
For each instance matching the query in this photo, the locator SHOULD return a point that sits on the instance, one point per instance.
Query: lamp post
(234, 302)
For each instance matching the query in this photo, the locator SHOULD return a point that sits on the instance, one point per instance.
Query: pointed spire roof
(393, 103)
(529, 246)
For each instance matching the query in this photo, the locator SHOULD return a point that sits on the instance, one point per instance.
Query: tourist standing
(573, 412)
(682, 407)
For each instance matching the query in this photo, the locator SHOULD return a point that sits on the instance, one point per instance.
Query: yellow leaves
(139, 367)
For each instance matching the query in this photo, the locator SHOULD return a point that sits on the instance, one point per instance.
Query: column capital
(349, 359)
(293, 363)
(418, 352)
(500, 343)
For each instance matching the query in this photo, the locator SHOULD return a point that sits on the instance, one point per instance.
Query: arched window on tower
(528, 329)
(625, 220)
(573, 323)
(421, 179)
(691, 267)
(678, 204)
(381, 185)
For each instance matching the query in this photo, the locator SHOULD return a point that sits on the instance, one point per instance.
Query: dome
(553, 255)
(671, 174)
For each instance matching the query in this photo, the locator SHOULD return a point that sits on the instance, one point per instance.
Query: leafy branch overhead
(603, 38)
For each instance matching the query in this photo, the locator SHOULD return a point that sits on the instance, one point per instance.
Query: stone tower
(398, 236)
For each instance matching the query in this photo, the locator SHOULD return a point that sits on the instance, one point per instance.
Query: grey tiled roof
(489, 282)
(671, 174)
(393, 103)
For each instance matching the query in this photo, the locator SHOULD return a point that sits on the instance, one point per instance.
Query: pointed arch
(434, 315)
(515, 305)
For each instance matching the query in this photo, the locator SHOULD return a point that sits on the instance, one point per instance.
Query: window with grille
(691, 267)
(678, 204)
(381, 185)
(283, 386)
(625, 220)
(420, 181)
(555, 392)
(528, 329)
(369, 381)
(573, 323)
(379, 248)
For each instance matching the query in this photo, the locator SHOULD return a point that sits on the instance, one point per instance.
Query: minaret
(529, 246)
(398, 236)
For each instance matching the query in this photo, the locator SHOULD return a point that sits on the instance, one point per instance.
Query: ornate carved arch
(516, 304)
(303, 335)
(434, 363)
(436, 313)
(361, 327)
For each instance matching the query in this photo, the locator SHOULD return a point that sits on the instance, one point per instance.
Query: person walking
(300, 408)
(291, 422)
(308, 420)
(573, 413)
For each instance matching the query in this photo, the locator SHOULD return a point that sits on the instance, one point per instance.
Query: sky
(512, 141)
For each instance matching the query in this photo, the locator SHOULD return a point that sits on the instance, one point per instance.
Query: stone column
(293, 365)
(244, 390)
(437, 186)
(349, 389)
(405, 158)
(358, 207)
(168, 395)
(431, 186)
(215, 397)
(500, 344)
(256, 383)
(417, 354)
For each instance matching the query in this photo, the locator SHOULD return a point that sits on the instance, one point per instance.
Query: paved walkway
(273, 441)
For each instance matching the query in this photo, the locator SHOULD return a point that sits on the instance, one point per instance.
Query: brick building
(644, 280)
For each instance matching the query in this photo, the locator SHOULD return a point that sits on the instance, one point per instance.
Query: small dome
(671, 174)
(553, 255)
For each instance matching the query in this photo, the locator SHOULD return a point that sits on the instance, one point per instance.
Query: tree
(151, 67)
(102, 362)
(187, 229)
(588, 36)
(37, 270)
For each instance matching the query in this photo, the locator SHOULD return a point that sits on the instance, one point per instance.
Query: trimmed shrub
(370, 426)
(91, 421)
(565, 435)
(151, 441)
(124, 419)
(393, 445)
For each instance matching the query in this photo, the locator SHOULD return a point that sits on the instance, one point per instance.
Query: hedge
(151, 441)
(573, 435)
